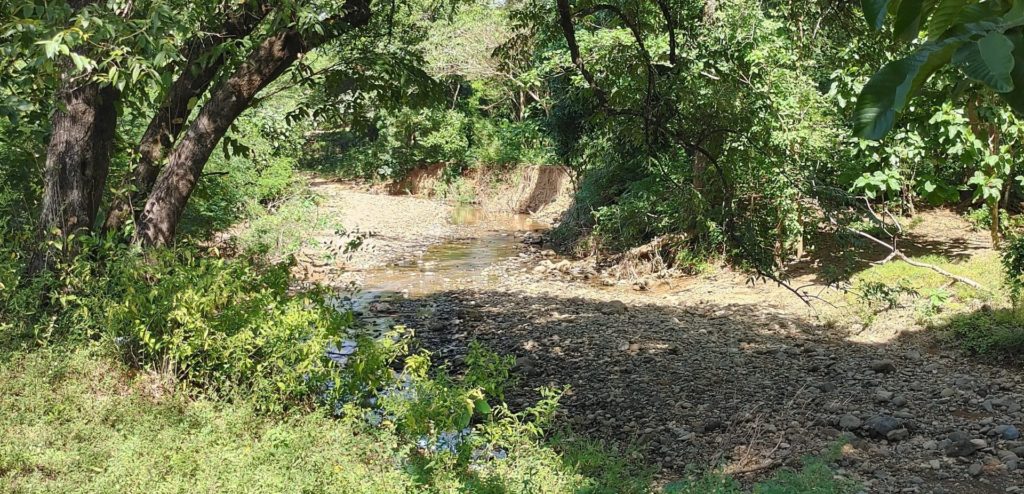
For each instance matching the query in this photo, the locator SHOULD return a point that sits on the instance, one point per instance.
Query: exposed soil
(698, 373)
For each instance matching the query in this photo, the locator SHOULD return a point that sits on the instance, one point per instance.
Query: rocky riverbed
(696, 374)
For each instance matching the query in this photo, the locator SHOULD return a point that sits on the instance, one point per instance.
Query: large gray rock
(1007, 432)
(883, 366)
(849, 422)
(963, 447)
(880, 426)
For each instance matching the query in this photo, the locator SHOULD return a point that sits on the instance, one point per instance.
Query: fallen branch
(898, 254)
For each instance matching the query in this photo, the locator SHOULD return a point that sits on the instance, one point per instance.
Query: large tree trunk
(270, 59)
(169, 120)
(185, 164)
(77, 161)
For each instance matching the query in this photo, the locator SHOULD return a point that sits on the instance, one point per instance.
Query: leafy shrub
(505, 143)
(981, 219)
(988, 331)
(223, 327)
(285, 230)
(1013, 266)
(399, 141)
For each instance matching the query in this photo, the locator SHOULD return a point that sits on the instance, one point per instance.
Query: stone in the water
(849, 422)
(883, 366)
(881, 425)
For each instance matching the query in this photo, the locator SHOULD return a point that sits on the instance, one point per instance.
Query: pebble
(849, 422)
(960, 448)
(898, 435)
(975, 469)
(614, 307)
(881, 425)
(1007, 432)
(883, 366)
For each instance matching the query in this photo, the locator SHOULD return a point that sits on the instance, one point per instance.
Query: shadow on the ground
(710, 385)
(859, 254)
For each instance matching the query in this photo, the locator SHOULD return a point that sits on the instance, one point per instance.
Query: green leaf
(482, 407)
(908, 20)
(50, 47)
(874, 12)
(890, 89)
(946, 14)
(1015, 97)
(988, 60)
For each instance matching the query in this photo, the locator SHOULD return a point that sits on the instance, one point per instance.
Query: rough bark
(185, 164)
(77, 161)
(269, 60)
(167, 123)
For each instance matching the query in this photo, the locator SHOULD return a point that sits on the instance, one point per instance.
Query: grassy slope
(73, 421)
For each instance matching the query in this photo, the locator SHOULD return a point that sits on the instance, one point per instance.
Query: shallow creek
(487, 238)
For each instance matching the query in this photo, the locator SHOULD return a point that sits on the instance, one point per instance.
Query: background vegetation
(140, 355)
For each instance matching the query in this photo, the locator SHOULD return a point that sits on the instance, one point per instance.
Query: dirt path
(702, 374)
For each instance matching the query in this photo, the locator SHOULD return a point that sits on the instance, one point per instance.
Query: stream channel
(484, 239)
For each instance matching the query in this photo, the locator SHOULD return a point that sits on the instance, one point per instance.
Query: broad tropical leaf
(875, 11)
(891, 88)
(908, 19)
(947, 13)
(988, 60)
(1015, 97)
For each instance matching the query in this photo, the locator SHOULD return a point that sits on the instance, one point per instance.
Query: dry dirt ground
(709, 372)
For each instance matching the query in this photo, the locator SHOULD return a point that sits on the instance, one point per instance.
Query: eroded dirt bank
(698, 374)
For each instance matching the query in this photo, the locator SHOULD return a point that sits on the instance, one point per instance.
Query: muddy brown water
(487, 238)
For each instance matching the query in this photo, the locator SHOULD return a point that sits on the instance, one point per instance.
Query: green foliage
(74, 420)
(284, 230)
(814, 477)
(1013, 267)
(983, 40)
(507, 144)
(995, 332)
(487, 370)
(401, 141)
(224, 327)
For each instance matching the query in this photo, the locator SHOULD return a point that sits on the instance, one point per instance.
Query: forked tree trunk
(166, 125)
(77, 162)
(166, 202)
(174, 185)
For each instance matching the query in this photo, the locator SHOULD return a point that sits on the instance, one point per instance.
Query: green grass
(891, 290)
(814, 477)
(988, 331)
(978, 321)
(983, 268)
(75, 421)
